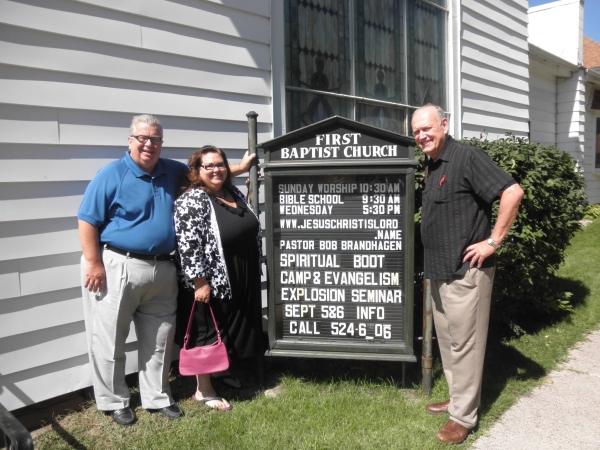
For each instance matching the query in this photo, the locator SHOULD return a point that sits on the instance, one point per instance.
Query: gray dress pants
(145, 292)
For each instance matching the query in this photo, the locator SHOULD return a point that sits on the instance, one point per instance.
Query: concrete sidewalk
(564, 413)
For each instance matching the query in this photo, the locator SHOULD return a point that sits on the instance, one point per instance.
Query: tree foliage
(549, 216)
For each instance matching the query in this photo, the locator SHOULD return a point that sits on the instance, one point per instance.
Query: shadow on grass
(504, 363)
(67, 437)
(315, 370)
(534, 321)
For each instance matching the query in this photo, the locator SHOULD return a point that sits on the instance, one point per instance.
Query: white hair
(146, 118)
(440, 112)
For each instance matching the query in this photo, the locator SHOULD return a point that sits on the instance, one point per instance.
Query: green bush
(592, 212)
(549, 215)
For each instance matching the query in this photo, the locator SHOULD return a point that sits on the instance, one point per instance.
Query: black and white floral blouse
(199, 242)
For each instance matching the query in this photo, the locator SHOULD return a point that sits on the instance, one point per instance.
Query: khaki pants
(461, 315)
(145, 291)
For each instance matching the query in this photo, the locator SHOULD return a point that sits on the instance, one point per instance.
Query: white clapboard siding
(591, 173)
(29, 313)
(22, 164)
(31, 48)
(212, 16)
(27, 201)
(9, 282)
(49, 273)
(72, 74)
(542, 106)
(494, 68)
(570, 122)
(51, 89)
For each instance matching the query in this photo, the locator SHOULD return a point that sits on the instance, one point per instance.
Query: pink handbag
(206, 359)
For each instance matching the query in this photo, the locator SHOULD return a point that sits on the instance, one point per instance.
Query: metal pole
(253, 200)
(427, 356)
(252, 138)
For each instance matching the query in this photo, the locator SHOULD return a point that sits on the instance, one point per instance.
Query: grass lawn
(326, 404)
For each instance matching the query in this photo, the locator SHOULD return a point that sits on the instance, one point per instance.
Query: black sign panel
(338, 256)
(339, 241)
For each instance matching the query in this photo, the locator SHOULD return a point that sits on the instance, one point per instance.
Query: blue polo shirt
(131, 209)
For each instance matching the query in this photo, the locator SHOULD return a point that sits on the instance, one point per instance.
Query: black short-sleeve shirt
(457, 207)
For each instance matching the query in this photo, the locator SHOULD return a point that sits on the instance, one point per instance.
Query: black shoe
(171, 412)
(123, 416)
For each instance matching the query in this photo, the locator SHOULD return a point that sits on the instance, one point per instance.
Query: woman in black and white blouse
(219, 243)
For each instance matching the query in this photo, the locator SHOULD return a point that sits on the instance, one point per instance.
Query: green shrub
(592, 212)
(549, 215)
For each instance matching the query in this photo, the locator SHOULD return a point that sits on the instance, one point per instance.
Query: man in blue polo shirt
(127, 234)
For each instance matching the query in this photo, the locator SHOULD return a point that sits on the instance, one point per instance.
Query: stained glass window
(350, 58)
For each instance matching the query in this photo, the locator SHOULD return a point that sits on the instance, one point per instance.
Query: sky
(591, 17)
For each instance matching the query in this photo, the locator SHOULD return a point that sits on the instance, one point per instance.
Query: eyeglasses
(211, 167)
(142, 139)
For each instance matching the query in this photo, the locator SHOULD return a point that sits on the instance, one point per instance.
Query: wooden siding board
(476, 69)
(474, 117)
(44, 382)
(81, 127)
(196, 14)
(472, 36)
(52, 165)
(25, 124)
(33, 238)
(202, 44)
(259, 7)
(537, 112)
(545, 127)
(496, 106)
(539, 137)
(21, 163)
(74, 19)
(27, 201)
(36, 348)
(487, 26)
(9, 284)
(542, 82)
(29, 313)
(476, 85)
(28, 48)
(512, 10)
(115, 99)
(497, 62)
(50, 273)
(542, 97)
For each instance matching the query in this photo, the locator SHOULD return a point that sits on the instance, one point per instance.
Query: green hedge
(549, 216)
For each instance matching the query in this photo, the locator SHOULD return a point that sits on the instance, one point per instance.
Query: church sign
(339, 225)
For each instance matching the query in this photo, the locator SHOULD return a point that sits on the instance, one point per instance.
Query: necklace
(221, 196)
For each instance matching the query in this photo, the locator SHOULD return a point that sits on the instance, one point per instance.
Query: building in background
(563, 85)
(73, 72)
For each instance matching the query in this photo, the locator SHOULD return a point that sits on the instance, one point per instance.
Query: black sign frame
(277, 169)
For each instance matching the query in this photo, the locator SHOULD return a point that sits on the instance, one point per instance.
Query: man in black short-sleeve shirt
(462, 182)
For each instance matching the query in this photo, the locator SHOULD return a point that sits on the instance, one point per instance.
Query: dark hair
(193, 179)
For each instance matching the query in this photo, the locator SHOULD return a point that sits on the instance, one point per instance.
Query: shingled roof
(591, 53)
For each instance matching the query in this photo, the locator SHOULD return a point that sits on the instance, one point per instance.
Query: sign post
(339, 224)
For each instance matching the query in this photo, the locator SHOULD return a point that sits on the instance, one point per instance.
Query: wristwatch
(491, 242)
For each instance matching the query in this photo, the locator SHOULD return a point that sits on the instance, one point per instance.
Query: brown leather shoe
(452, 432)
(437, 408)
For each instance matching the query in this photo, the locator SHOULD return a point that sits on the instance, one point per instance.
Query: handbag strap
(191, 320)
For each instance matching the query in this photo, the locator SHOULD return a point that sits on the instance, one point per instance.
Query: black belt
(137, 255)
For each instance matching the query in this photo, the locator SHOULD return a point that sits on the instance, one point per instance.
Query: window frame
(280, 87)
